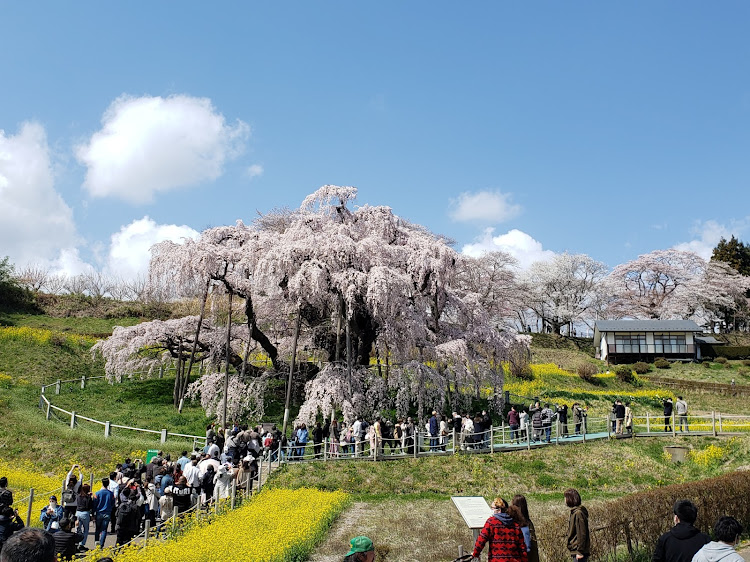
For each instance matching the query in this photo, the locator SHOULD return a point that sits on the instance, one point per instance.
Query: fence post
(325, 449)
(528, 436)
(57, 386)
(674, 430)
(455, 440)
(107, 429)
(713, 422)
(492, 438)
(721, 427)
(648, 422)
(73, 419)
(148, 529)
(234, 490)
(161, 370)
(48, 411)
(28, 510)
(609, 428)
(83, 382)
(584, 425)
(415, 438)
(163, 435)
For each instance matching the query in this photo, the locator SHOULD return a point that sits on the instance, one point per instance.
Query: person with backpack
(70, 494)
(85, 503)
(127, 517)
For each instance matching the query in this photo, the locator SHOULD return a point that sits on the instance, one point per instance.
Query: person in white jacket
(223, 482)
(727, 531)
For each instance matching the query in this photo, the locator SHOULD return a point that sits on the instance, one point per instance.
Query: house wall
(603, 349)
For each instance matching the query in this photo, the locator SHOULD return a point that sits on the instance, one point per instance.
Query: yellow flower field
(275, 526)
(43, 337)
(22, 476)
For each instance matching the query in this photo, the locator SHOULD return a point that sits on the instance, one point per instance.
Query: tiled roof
(647, 326)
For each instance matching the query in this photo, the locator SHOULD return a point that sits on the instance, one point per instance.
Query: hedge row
(728, 351)
(639, 519)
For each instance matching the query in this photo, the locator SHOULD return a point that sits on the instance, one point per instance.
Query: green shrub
(706, 364)
(661, 363)
(721, 360)
(642, 368)
(586, 371)
(733, 351)
(746, 363)
(624, 373)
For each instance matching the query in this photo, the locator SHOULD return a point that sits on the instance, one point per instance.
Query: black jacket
(679, 544)
(66, 543)
(667, 408)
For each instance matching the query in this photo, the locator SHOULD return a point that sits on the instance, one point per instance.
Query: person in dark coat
(562, 417)
(668, 414)
(10, 522)
(682, 541)
(317, 435)
(66, 541)
(579, 538)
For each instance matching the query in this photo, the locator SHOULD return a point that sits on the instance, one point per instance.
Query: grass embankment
(601, 470)
(30, 357)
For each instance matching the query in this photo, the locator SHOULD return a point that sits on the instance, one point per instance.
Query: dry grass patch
(406, 531)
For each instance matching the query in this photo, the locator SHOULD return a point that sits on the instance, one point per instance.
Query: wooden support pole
(28, 509)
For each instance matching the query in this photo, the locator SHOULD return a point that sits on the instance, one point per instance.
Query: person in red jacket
(504, 534)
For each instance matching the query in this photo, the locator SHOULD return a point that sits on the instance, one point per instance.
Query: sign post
(475, 512)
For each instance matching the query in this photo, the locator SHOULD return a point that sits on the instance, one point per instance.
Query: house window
(670, 343)
(630, 343)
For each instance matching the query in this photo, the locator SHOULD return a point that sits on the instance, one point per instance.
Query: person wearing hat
(51, 515)
(361, 550)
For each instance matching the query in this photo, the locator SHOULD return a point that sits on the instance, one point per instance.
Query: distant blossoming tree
(563, 290)
(667, 284)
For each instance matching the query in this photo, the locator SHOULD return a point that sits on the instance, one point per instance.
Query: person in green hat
(361, 550)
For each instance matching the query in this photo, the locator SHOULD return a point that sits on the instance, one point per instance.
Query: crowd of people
(136, 493)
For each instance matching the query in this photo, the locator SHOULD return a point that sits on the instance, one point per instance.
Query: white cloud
(151, 144)
(518, 244)
(69, 263)
(254, 171)
(708, 235)
(129, 253)
(488, 207)
(35, 222)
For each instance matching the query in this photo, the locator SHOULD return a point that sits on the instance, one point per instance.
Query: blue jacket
(48, 518)
(433, 426)
(302, 435)
(104, 502)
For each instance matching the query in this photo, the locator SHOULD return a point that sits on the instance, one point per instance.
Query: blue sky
(611, 129)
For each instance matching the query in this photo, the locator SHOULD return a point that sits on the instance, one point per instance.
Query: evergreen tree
(733, 252)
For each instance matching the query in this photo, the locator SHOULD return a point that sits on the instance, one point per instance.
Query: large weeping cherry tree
(381, 303)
